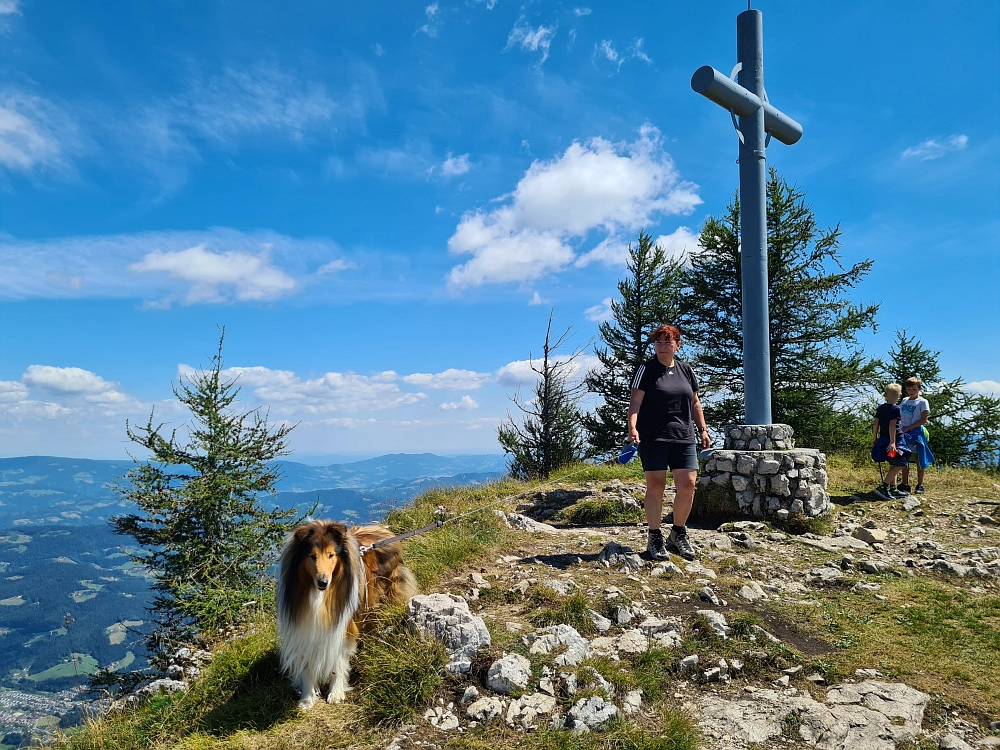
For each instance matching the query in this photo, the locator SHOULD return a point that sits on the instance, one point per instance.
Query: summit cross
(746, 99)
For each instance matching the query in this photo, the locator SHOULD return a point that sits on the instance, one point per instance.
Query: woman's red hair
(671, 332)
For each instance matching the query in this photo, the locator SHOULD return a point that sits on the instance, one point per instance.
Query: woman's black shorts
(658, 456)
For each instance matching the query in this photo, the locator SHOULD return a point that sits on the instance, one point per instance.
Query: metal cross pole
(758, 121)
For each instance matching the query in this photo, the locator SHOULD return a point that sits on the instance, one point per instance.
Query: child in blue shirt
(887, 441)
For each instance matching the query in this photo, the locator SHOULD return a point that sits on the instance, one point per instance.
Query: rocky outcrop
(446, 618)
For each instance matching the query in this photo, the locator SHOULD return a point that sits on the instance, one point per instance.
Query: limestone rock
(632, 642)
(632, 701)
(166, 685)
(573, 646)
(717, 621)
(524, 523)
(446, 618)
(484, 709)
(867, 716)
(442, 718)
(602, 623)
(508, 673)
(591, 713)
(665, 568)
(871, 536)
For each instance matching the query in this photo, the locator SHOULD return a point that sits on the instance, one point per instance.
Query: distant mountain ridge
(54, 489)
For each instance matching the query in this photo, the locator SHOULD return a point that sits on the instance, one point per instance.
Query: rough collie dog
(325, 585)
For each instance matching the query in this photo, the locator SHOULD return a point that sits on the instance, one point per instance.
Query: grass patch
(798, 524)
(742, 623)
(937, 638)
(573, 611)
(398, 672)
(651, 671)
(601, 511)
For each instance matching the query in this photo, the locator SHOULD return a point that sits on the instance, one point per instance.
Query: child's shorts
(880, 453)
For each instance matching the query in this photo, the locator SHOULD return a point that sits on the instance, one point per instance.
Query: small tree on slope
(200, 524)
(817, 366)
(650, 296)
(964, 427)
(549, 434)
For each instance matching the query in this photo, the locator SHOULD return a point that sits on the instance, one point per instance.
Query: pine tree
(200, 524)
(964, 427)
(548, 436)
(816, 362)
(649, 297)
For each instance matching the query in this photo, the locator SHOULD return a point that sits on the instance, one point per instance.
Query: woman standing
(662, 414)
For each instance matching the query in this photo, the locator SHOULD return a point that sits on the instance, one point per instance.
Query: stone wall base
(761, 483)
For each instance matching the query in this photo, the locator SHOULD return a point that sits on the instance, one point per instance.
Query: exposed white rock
(565, 638)
(484, 709)
(590, 713)
(508, 673)
(867, 716)
(446, 618)
(717, 621)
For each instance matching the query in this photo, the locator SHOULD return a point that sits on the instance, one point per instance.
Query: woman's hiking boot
(654, 545)
(678, 542)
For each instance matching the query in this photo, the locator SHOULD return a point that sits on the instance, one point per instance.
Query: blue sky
(383, 201)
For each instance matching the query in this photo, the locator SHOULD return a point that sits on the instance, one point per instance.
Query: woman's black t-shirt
(665, 412)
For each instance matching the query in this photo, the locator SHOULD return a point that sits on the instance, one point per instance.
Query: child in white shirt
(914, 414)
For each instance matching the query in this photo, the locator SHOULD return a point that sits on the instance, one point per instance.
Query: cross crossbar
(728, 94)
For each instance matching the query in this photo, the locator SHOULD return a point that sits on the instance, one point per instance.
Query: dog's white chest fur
(312, 650)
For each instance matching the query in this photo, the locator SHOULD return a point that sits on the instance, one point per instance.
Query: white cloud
(466, 402)
(252, 275)
(597, 185)
(431, 30)
(396, 162)
(65, 380)
(582, 11)
(613, 251)
(935, 149)
(677, 243)
(34, 133)
(98, 266)
(12, 392)
(451, 379)
(530, 39)
(599, 313)
(330, 393)
(334, 266)
(984, 387)
(232, 109)
(607, 48)
(536, 299)
(519, 372)
(261, 99)
(639, 53)
(455, 165)
(80, 386)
